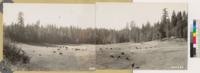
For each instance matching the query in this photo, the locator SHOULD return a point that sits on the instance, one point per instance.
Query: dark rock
(60, 53)
(111, 56)
(122, 53)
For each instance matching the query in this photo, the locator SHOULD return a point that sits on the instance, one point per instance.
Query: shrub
(13, 54)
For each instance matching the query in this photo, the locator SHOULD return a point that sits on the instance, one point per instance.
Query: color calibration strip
(194, 33)
(194, 37)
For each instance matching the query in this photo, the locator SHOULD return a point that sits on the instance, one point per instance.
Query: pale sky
(82, 15)
(101, 15)
(117, 15)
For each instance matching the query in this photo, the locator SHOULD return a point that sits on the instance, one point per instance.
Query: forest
(174, 26)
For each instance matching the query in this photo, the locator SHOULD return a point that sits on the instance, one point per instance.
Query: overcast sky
(82, 15)
(117, 15)
(101, 15)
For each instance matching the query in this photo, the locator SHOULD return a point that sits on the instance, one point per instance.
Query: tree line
(169, 26)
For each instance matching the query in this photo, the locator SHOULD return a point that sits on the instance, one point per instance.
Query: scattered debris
(111, 56)
(133, 65)
(77, 49)
(118, 57)
(122, 53)
(60, 53)
(137, 67)
(127, 58)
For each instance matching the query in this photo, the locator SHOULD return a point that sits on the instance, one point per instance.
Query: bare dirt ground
(170, 54)
(60, 57)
